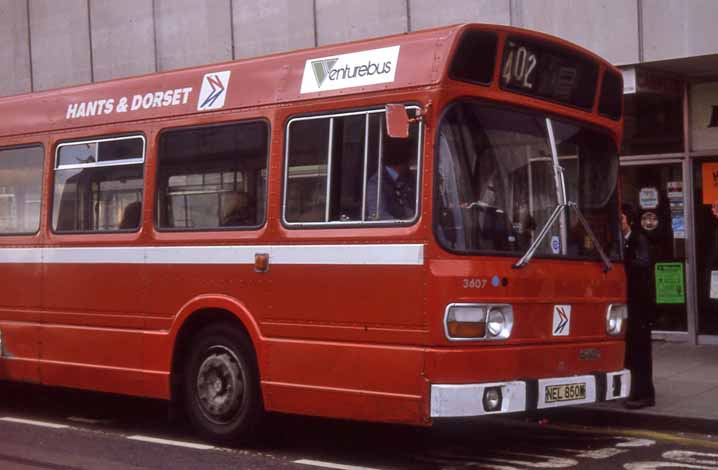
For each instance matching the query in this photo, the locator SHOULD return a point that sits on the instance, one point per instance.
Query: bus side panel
(102, 359)
(19, 351)
(341, 380)
(21, 288)
(93, 327)
(20, 313)
(365, 303)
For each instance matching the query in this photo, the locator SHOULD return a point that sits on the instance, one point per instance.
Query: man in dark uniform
(637, 259)
(397, 192)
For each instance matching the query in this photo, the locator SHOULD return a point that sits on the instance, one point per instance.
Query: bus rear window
(475, 58)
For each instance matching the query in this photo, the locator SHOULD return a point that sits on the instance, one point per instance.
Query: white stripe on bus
(390, 254)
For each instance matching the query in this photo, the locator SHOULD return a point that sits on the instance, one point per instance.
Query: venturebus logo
(214, 91)
(350, 70)
(322, 69)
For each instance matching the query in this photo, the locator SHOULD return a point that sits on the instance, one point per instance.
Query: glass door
(655, 191)
(705, 180)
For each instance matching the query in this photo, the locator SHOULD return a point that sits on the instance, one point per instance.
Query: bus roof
(393, 62)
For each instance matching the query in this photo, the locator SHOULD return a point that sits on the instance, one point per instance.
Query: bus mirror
(397, 121)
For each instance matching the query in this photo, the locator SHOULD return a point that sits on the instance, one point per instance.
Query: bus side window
(20, 189)
(97, 184)
(345, 169)
(213, 177)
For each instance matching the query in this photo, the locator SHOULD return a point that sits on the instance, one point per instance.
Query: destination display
(532, 68)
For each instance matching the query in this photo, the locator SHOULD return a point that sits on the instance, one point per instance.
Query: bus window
(20, 189)
(498, 187)
(345, 169)
(98, 185)
(213, 177)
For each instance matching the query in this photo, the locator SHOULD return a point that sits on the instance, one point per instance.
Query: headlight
(478, 321)
(616, 319)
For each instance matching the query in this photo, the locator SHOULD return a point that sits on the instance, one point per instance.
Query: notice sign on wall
(670, 288)
(648, 198)
(709, 171)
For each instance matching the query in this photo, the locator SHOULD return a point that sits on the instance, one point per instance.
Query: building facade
(668, 50)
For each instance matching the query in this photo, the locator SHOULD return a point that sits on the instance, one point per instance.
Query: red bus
(404, 229)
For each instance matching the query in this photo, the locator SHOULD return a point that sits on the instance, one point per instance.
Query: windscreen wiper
(542, 234)
(607, 266)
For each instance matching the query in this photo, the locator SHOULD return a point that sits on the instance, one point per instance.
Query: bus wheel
(221, 384)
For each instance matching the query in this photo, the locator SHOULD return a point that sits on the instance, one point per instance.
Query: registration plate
(565, 392)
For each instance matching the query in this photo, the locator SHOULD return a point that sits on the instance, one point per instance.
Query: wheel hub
(219, 385)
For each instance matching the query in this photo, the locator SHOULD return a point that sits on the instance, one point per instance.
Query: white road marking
(657, 465)
(545, 461)
(338, 466)
(634, 442)
(169, 442)
(595, 454)
(690, 456)
(81, 420)
(32, 422)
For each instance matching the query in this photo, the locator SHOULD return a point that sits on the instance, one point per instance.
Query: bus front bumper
(465, 400)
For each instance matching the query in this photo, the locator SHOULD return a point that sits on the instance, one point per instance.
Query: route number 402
(519, 66)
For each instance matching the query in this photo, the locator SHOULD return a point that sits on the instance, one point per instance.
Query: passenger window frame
(219, 229)
(125, 162)
(380, 109)
(43, 162)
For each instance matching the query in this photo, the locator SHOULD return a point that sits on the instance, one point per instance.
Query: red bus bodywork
(336, 339)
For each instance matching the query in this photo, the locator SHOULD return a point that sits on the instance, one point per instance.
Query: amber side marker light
(467, 329)
(261, 262)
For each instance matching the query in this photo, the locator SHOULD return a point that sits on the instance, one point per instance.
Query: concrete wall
(192, 33)
(607, 27)
(267, 26)
(54, 43)
(60, 43)
(342, 21)
(15, 52)
(703, 97)
(673, 28)
(424, 14)
(123, 38)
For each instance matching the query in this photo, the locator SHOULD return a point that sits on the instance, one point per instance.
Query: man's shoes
(638, 404)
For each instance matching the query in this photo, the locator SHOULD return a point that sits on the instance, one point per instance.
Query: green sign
(670, 288)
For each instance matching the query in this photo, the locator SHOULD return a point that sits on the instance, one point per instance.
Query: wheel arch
(197, 314)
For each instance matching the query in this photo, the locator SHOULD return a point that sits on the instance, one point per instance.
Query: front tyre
(221, 384)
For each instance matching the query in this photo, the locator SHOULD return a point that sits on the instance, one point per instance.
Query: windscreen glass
(498, 185)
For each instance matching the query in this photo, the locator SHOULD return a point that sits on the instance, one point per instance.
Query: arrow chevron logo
(561, 320)
(214, 91)
(217, 90)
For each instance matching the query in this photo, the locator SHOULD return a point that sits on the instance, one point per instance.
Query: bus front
(528, 296)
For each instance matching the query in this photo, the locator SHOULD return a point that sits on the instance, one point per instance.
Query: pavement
(685, 378)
